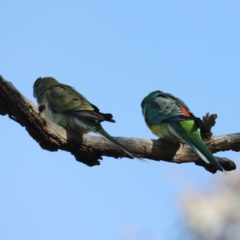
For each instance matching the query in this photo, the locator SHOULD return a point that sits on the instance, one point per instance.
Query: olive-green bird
(71, 110)
(169, 117)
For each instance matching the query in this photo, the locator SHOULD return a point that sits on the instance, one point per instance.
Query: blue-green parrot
(71, 110)
(169, 117)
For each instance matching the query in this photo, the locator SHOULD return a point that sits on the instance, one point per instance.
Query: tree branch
(90, 149)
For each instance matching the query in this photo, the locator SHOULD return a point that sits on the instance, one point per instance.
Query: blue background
(114, 53)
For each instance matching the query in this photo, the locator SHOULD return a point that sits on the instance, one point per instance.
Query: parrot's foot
(41, 108)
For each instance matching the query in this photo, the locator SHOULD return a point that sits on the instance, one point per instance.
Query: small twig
(208, 122)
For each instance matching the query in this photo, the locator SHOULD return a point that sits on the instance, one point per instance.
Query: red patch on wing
(184, 110)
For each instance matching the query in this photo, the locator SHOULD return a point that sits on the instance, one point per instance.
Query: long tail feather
(198, 146)
(101, 131)
(110, 138)
(96, 127)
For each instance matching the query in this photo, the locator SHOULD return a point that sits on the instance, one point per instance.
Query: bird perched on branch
(69, 109)
(169, 117)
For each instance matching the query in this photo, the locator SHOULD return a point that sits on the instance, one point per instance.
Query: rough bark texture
(90, 149)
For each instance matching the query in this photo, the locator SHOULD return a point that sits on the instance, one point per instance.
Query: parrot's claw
(41, 108)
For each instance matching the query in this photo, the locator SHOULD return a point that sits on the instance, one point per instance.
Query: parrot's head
(147, 99)
(41, 85)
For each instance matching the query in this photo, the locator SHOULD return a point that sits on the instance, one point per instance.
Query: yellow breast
(156, 130)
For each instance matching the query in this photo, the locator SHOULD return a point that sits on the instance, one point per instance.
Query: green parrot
(71, 110)
(169, 117)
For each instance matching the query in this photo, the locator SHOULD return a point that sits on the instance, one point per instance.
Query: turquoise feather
(170, 118)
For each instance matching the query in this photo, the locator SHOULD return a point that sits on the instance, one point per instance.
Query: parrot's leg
(41, 108)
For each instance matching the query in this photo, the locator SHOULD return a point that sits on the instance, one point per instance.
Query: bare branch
(90, 149)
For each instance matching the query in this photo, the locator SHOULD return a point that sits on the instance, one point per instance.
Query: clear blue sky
(114, 53)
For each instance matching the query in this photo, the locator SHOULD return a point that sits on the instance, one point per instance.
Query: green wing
(64, 99)
(161, 108)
